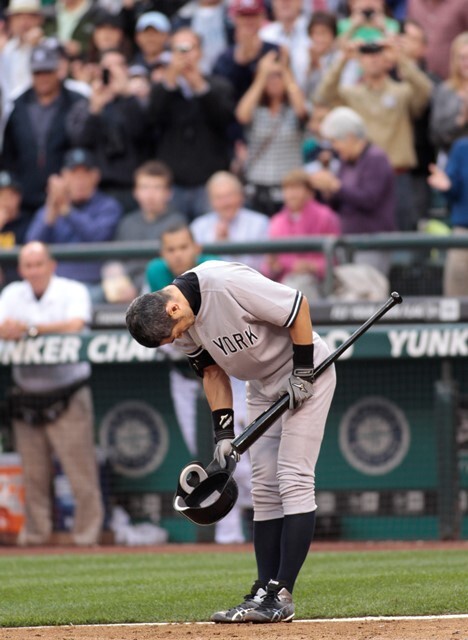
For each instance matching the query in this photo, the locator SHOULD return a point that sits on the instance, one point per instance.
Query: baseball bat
(262, 423)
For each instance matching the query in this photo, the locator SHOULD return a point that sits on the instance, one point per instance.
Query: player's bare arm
(301, 329)
(302, 378)
(217, 387)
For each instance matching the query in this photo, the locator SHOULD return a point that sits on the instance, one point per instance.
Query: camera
(368, 13)
(106, 76)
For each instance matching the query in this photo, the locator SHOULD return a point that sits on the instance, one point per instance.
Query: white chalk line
(451, 616)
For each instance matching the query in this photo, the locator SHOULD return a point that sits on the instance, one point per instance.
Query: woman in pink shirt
(302, 216)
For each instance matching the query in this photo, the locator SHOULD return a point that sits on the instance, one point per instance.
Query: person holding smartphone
(367, 21)
(113, 126)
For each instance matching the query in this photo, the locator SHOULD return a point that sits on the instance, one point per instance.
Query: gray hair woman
(363, 191)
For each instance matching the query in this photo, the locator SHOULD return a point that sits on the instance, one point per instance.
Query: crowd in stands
(244, 119)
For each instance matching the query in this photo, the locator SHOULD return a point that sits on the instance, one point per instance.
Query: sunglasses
(183, 48)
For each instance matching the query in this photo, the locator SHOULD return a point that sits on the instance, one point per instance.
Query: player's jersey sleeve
(266, 300)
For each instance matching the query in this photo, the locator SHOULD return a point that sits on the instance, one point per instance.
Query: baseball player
(230, 320)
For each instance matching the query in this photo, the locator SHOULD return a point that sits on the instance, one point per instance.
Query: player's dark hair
(147, 319)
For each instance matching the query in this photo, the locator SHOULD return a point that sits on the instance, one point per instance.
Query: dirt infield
(429, 629)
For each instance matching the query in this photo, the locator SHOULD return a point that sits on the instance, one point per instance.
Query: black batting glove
(302, 378)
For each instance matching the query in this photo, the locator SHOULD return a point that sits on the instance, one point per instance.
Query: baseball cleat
(237, 614)
(276, 606)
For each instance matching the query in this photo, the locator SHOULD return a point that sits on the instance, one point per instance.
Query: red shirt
(442, 20)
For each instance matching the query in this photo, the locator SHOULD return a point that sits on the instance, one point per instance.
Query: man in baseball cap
(79, 158)
(44, 59)
(151, 35)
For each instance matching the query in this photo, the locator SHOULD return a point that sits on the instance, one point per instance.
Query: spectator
(209, 20)
(449, 118)
(273, 112)
(152, 191)
(367, 22)
(108, 34)
(442, 21)
(322, 32)
(388, 108)
(317, 152)
(414, 43)
(65, 69)
(454, 183)
(114, 127)
(238, 63)
(179, 253)
(289, 31)
(192, 113)
(52, 404)
(152, 37)
(24, 29)
(139, 84)
(301, 216)
(229, 220)
(363, 192)
(75, 211)
(73, 24)
(37, 133)
(13, 223)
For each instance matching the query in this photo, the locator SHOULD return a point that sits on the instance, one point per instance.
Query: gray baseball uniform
(243, 322)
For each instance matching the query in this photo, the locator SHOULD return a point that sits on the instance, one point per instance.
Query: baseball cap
(7, 181)
(44, 58)
(23, 6)
(247, 7)
(79, 158)
(153, 20)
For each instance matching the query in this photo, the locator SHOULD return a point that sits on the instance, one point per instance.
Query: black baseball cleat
(251, 601)
(276, 606)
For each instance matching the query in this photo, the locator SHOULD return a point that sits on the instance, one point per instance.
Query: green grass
(83, 589)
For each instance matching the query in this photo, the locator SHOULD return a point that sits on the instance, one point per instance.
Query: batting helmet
(205, 496)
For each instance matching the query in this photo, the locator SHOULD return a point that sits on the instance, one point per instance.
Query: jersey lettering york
(242, 313)
(236, 341)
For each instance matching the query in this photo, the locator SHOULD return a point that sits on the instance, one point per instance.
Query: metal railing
(329, 246)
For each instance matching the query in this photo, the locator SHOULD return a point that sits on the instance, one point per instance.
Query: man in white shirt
(24, 21)
(51, 404)
(229, 221)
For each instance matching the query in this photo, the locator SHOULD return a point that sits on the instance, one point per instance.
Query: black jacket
(118, 138)
(193, 138)
(21, 153)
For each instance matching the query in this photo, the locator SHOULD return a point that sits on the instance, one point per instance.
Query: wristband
(223, 423)
(303, 355)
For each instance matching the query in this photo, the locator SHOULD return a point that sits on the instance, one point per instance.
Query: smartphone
(105, 76)
(368, 13)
